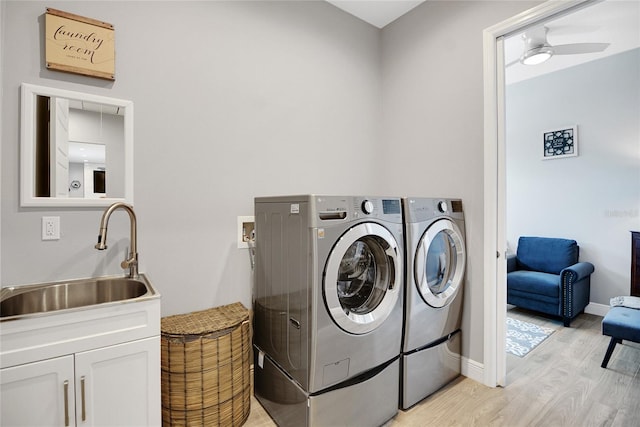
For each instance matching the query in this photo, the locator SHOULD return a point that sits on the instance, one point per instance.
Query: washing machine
(328, 317)
(435, 274)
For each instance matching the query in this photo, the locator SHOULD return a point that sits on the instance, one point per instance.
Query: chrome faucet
(132, 260)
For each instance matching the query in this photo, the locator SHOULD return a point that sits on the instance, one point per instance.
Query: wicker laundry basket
(206, 357)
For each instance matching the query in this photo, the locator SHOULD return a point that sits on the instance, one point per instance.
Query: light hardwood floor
(559, 383)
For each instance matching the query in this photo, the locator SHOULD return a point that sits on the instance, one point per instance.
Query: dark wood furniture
(635, 263)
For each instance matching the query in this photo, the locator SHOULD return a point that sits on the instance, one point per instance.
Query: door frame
(495, 243)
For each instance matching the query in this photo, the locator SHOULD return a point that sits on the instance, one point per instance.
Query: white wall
(433, 122)
(232, 100)
(593, 198)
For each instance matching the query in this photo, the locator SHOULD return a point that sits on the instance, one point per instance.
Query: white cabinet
(38, 393)
(111, 351)
(118, 385)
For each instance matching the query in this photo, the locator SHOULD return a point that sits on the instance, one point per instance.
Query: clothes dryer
(328, 308)
(435, 267)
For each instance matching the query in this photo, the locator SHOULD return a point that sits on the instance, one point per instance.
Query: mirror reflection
(76, 148)
(87, 170)
(72, 143)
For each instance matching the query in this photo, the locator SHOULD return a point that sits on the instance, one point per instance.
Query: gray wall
(239, 99)
(593, 198)
(433, 122)
(232, 101)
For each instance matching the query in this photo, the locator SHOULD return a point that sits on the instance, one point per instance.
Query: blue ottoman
(620, 323)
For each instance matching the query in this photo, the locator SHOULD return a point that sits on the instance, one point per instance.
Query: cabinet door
(38, 394)
(119, 385)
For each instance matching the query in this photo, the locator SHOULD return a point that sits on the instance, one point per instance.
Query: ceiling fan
(537, 49)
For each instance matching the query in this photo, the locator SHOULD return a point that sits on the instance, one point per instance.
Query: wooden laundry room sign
(79, 45)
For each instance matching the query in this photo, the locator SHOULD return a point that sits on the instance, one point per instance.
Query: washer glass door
(440, 263)
(362, 278)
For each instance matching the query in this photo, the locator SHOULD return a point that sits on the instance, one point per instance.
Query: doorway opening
(497, 234)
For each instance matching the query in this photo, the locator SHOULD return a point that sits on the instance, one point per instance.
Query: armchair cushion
(548, 255)
(535, 282)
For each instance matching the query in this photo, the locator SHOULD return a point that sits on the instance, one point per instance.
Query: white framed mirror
(76, 149)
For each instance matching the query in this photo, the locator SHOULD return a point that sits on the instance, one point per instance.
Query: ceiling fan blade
(509, 64)
(577, 48)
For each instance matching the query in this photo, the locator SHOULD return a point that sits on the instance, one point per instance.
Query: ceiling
(376, 12)
(84, 152)
(612, 21)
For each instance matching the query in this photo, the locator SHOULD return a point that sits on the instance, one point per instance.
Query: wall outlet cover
(50, 228)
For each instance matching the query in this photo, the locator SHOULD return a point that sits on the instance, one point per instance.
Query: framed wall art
(79, 45)
(560, 143)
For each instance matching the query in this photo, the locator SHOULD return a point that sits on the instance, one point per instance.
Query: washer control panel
(387, 208)
(340, 208)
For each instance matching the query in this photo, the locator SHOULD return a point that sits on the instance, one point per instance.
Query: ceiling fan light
(537, 55)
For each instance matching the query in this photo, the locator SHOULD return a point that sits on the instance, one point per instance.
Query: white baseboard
(472, 369)
(597, 309)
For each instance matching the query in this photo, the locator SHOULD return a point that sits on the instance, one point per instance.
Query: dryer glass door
(440, 263)
(362, 278)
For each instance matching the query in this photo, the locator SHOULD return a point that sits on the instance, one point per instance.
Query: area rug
(522, 337)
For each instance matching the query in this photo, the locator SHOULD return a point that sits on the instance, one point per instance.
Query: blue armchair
(545, 276)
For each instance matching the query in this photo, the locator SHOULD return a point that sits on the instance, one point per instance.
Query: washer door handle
(294, 322)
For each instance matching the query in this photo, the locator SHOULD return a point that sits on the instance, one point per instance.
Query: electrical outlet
(50, 228)
(246, 228)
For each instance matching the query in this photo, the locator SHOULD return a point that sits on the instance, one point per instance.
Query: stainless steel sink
(74, 294)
